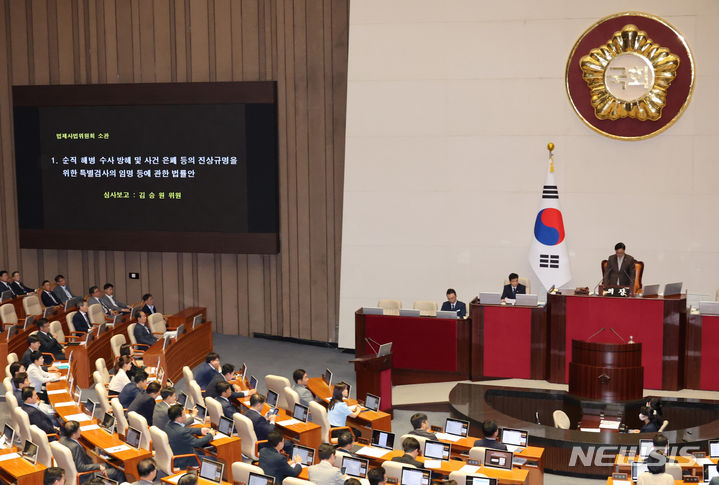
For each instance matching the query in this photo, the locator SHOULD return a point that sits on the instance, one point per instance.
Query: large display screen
(158, 167)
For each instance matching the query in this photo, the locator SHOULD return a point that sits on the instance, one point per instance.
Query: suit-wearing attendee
(81, 319)
(147, 469)
(300, 379)
(111, 302)
(30, 404)
(37, 376)
(120, 378)
(715, 480)
(33, 345)
(420, 425)
(47, 297)
(83, 461)
(410, 446)
(513, 288)
(148, 304)
(225, 391)
(19, 381)
(144, 402)
(183, 439)
(5, 283)
(205, 372)
(275, 464)
(48, 343)
(96, 299)
(159, 415)
(128, 393)
(54, 475)
(261, 425)
(187, 479)
(143, 335)
(62, 290)
(621, 269)
(337, 409)
(345, 443)
(325, 472)
(375, 476)
(17, 285)
(226, 375)
(452, 304)
(490, 431)
(656, 464)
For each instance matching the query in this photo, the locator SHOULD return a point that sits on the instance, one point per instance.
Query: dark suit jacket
(650, 427)
(183, 442)
(39, 419)
(60, 293)
(49, 345)
(20, 289)
(143, 335)
(626, 274)
(144, 405)
(274, 464)
(204, 374)
(83, 462)
(148, 311)
(459, 306)
(424, 434)
(228, 409)
(128, 394)
(49, 299)
(260, 424)
(81, 325)
(494, 444)
(508, 293)
(26, 360)
(159, 415)
(211, 390)
(408, 460)
(5, 287)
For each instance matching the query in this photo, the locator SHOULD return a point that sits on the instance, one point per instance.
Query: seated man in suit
(47, 297)
(376, 476)
(20, 380)
(96, 299)
(148, 304)
(143, 335)
(111, 302)
(144, 402)
(54, 476)
(83, 462)
(48, 344)
(274, 463)
(411, 447)
(490, 431)
(420, 425)
(345, 443)
(224, 391)
(261, 425)
(205, 372)
(513, 288)
(30, 404)
(17, 285)
(81, 319)
(226, 375)
(132, 389)
(301, 379)
(5, 282)
(621, 268)
(159, 415)
(62, 290)
(183, 439)
(326, 472)
(148, 471)
(452, 304)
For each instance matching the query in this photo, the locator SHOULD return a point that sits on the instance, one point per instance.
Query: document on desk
(174, 479)
(704, 461)
(117, 449)
(433, 463)
(62, 366)
(590, 430)
(448, 437)
(288, 422)
(219, 436)
(89, 427)
(604, 424)
(9, 456)
(56, 391)
(622, 482)
(469, 469)
(78, 417)
(373, 452)
(65, 404)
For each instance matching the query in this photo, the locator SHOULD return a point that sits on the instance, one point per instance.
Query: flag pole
(550, 147)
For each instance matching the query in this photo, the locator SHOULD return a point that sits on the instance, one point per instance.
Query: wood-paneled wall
(300, 43)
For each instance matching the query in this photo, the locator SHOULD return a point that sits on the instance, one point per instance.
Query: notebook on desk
(490, 298)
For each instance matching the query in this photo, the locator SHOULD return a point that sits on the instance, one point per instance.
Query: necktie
(452, 306)
(514, 290)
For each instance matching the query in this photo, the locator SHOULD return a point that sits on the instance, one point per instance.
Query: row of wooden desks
(18, 470)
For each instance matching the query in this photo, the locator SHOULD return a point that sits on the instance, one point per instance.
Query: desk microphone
(596, 287)
(536, 417)
(596, 333)
(371, 341)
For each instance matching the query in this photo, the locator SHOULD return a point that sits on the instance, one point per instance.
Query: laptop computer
(327, 377)
(414, 476)
(107, 481)
(437, 450)
(211, 470)
(472, 480)
(90, 407)
(226, 426)
(307, 454)
(271, 399)
(671, 289)
(527, 300)
(201, 413)
(7, 295)
(382, 439)
(355, 467)
(709, 307)
(713, 448)
(638, 468)
(133, 437)
(650, 290)
(514, 439)
(196, 320)
(11, 332)
(456, 427)
(372, 402)
(29, 320)
(498, 459)
(370, 310)
(182, 399)
(108, 423)
(710, 471)
(408, 312)
(29, 452)
(490, 298)
(645, 447)
(300, 412)
(242, 372)
(8, 436)
(260, 479)
(447, 314)
(253, 382)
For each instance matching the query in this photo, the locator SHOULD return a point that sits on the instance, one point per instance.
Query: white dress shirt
(119, 381)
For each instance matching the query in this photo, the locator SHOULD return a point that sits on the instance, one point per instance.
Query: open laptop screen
(300, 412)
(516, 437)
(307, 454)
(259, 479)
(456, 427)
(211, 470)
(271, 399)
(133, 437)
(372, 402)
(437, 450)
(637, 469)
(498, 459)
(382, 439)
(413, 476)
(226, 426)
(355, 467)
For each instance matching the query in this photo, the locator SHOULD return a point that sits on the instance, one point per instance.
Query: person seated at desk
(37, 376)
(262, 426)
(96, 299)
(17, 285)
(81, 319)
(656, 464)
(621, 268)
(650, 424)
(411, 448)
(47, 297)
(655, 404)
(54, 475)
(126, 349)
(5, 284)
(128, 393)
(147, 469)
(300, 379)
(48, 344)
(345, 443)
(513, 288)
(30, 404)
(33, 345)
(453, 304)
(110, 302)
(159, 415)
(338, 411)
(376, 476)
(120, 378)
(274, 463)
(83, 462)
(420, 425)
(62, 290)
(224, 391)
(148, 304)
(326, 471)
(205, 372)
(184, 439)
(187, 479)
(490, 431)
(143, 335)
(144, 402)
(227, 375)
(21, 381)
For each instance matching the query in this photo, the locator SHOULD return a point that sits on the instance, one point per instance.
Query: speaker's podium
(373, 374)
(606, 371)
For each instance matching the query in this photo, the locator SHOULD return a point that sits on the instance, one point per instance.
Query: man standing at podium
(453, 305)
(620, 268)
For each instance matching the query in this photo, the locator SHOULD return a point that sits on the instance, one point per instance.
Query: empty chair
(291, 398)
(319, 416)
(214, 409)
(22, 424)
(248, 439)
(96, 314)
(101, 367)
(44, 454)
(241, 472)
(11, 357)
(675, 470)
(116, 342)
(421, 439)
(561, 420)
(31, 305)
(163, 452)
(68, 320)
(461, 477)
(278, 384)
(156, 323)
(103, 402)
(195, 393)
(120, 420)
(63, 457)
(97, 378)
(477, 453)
(7, 314)
(522, 280)
(139, 422)
(426, 308)
(187, 374)
(393, 469)
(7, 371)
(390, 307)
(664, 425)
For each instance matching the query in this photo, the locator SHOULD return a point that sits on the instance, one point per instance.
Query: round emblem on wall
(630, 76)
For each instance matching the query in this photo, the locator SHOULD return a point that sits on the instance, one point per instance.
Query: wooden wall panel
(302, 44)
